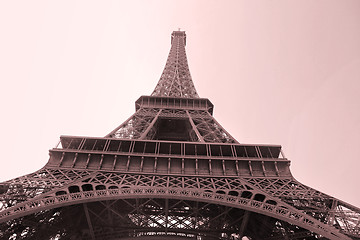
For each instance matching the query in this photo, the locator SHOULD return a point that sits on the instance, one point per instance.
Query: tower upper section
(175, 81)
(174, 111)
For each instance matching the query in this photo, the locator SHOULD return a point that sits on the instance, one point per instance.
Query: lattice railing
(279, 211)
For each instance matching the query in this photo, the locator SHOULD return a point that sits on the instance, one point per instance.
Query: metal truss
(141, 218)
(234, 192)
(169, 171)
(209, 129)
(199, 124)
(32, 185)
(319, 205)
(136, 125)
(175, 81)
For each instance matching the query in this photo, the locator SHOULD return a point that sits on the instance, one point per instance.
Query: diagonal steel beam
(143, 135)
(194, 127)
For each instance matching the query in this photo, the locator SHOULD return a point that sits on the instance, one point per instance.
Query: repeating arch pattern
(232, 192)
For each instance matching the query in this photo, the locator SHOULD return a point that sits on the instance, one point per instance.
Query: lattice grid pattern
(113, 187)
(175, 81)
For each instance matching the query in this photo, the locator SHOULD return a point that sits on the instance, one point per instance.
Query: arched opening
(100, 187)
(220, 192)
(74, 189)
(113, 187)
(272, 202)
(59, 193)
(87, 187)
(259, 197)
(155, 211)
(234, 193)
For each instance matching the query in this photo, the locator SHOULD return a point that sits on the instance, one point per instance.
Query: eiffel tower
(170, 171)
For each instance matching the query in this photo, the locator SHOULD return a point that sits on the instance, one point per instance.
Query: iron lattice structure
(170, 171)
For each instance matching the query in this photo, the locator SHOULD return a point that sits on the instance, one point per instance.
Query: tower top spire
(175, 80)
(178, 34)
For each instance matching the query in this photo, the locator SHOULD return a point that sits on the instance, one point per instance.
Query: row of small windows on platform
(89, 187)
(173, 148)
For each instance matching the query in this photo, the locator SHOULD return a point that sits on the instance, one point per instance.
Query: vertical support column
(101, 161)
(62, 158)
(86, 210)
(263, 168)
(155, 165)
(166, 215)
(244, 223)
(169, 166)
(142, 164)
(114, 163)
(109, 215)
(276, 169)
(128, 163)
(74, 161)
(250, 168)
(196, 167)
(332, 212)
(182, 166)
(87, 160)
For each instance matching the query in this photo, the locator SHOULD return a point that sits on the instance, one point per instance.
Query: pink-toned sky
(278, 72)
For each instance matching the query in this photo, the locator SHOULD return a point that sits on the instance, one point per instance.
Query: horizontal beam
(168, 164)
(170, 147)
(174, 103)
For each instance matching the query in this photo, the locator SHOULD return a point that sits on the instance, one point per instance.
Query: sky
(278, 72)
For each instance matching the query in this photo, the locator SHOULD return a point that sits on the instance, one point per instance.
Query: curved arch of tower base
(152, 218)
(165, 202)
